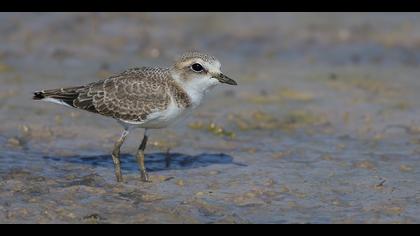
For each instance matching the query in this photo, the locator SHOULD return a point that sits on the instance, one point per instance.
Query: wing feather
(131, 95)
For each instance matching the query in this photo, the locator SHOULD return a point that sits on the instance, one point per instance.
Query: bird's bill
(224, 79)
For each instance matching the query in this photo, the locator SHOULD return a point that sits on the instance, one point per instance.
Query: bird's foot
(145, 176)
(119, 178)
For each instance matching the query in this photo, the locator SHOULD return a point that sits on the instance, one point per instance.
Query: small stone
(270, 193)
(380, 186)
(251, 150)
(93, 218)
(25, 130)
(14, 142)
(214, 172)
(250, 195)
(292, 204)
(269, 182)
(405, 168)
(159, 178)
(392, 210)
(327, 158)
(199, 194)
(151, 197)
(284, 189)
(365, 165)
(180, 183)
(280, 155)
(71, 215)
(246, 201)
(341, 146)
(163, 178)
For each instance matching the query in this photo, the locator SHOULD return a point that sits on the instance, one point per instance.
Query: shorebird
(145, 97)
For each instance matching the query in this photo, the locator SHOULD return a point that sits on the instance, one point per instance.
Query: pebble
(14, 142)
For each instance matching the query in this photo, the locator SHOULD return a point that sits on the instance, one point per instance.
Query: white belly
(160, 119)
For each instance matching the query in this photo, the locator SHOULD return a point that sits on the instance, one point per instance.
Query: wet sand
(324, 126)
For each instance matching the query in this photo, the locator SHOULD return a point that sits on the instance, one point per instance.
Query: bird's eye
(197, 67)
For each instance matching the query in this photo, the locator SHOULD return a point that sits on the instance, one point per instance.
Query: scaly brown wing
(130, 96)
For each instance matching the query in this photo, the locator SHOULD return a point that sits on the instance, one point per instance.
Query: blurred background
(323, 127)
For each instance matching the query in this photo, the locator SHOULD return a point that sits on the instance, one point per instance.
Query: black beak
(224, 79)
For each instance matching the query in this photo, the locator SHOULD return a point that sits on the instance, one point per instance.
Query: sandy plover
(145, 97)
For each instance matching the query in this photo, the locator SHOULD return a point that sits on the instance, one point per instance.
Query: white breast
(161, 119)
(197, 89)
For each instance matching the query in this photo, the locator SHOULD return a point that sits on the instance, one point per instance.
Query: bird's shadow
(153, 161)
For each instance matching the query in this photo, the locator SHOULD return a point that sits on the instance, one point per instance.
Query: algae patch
(212, 128)
(282, 95)
(263, 120)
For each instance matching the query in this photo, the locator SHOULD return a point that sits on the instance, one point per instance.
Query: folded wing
(130, 96)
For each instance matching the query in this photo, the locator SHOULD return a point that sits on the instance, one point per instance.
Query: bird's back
(131, 96)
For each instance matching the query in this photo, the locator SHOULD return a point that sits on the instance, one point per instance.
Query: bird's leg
(116, 155)
(140, 158)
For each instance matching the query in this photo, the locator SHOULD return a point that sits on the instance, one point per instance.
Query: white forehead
(211, 66)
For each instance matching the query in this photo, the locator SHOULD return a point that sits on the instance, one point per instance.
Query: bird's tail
(63, 96)
(38, 95)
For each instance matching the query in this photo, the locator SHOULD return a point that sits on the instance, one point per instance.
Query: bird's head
(199, 70)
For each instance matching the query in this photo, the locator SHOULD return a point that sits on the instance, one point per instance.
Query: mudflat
(324, 126)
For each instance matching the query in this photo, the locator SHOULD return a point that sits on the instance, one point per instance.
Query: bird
(144, 97)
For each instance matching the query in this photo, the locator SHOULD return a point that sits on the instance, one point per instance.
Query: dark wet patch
(154, 162)
(92, 180)
(20, 173)
(137, 197)
(93, 218)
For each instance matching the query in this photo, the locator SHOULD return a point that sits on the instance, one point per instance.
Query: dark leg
(140, 158)
(116, 155)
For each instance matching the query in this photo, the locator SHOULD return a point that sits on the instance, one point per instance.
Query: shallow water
(323, 127)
